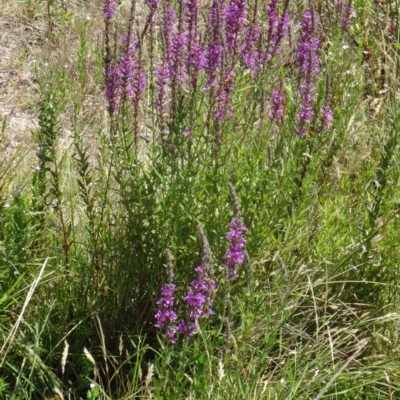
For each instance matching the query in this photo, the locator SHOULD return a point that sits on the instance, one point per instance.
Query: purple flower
(109, 8)
(195, 59)
(277, 29)
(125, 78)
(151, 17)
(175, 42)
(306, 56)
(165, 315)
(213, 54)
(162, 81)
(235, 14)
(327, 117)
(234, 256)
(186, 328)
(153, 4)
(344, 13)
(112, 89)
(308, 63)
(277, 101)
(199, 300)
(225, 88)
(250, 52)
(178, 71)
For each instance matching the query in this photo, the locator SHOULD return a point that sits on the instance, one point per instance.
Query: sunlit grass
(88, 210)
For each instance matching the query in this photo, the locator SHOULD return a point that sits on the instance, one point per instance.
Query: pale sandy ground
(24, 47)
(17, 79)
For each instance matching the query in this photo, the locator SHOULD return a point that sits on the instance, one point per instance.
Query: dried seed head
(235, 201)
(64, 357)
(221, 371)
(58, 394)
(170, 265)
(149, 376)
(121, 346)
(89, 356)
(206, 256)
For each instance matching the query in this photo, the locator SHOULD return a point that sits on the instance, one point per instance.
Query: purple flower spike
(234, 256)
(344, 12)
(112, 89)
(199, 301)
(308, 63)
(277, 29)
(277, 100)
(250, 52)
(109, 8)
(165, 315)
(327, 117)
(235, 14)
(213, 54)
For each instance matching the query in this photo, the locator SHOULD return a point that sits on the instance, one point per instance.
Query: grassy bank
(207, 204)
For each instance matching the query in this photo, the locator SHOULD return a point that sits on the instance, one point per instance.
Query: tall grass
(212, 208)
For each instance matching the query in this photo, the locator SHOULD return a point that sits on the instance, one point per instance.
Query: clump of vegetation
(212, 208)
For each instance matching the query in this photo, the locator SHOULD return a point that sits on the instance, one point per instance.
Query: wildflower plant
(187, 96)
(234, 257)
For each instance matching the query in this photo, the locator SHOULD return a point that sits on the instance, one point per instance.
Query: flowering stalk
(165, 315)
(235, 254)
(327, 118)
(234, 15)
(195, 55)
(163, 72)
(213, 54)
(308, 62)
(250, 47)
(199, 301)
(277, 29)
(224, 91)
(151, 17)
(126, 78)
(343, 13)
(277, 101)
(199, 298)
(109, 7)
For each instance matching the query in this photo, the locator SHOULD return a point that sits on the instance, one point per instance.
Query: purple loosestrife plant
(224, 91)
(178, 42)
(213, 53)
(151, 18)
(235, 254)
(250, 50)
(163, 72)
(234, 16)
(126, 78)
(113, 89)
(308, 63)
(109, 8)
(165, 315)
(327, 118)
(195, 58)
(344, 12)
(277, 102)
(127, 65)
(162, 82)
(199, 300)
(277, 29)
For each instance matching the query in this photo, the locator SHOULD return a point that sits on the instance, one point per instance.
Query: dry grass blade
(341, 369)
(7, 344)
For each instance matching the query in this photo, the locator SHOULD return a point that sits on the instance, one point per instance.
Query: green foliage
(314, 312)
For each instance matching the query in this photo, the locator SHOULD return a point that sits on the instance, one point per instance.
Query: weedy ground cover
(209, 208)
